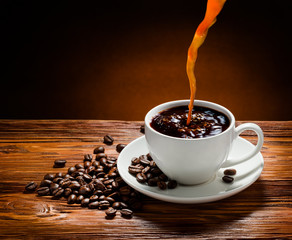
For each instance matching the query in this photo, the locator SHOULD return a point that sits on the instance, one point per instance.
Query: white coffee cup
(195, 161)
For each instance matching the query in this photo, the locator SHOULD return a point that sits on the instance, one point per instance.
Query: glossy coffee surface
(205, 122)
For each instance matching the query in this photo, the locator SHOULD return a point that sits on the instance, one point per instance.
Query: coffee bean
(76, 174)
(155, 171)
(72, 199)
(149, 175)
(107, 191)
(145, 162)
(111, 158)
(60, 163)
(78, 166)
(114, 195)
(109, 181)
(152, 163)
(84, 190)
(90, 170)
(98, 149)
(172, 184)
(61, 182)
(115, 184)
(153, 181)
(143, 156)
(104, 204)
(59, 175)
(109, 165)
(99, 169)
(123, 205)
(108, 140)
(74, 185)
(68, 176)
(116, 205)
(163, 177)
(58, 192)
(146, 169)
(102, 197)
(126, 190)
(87, 157)
(71, 170)
(79, 199)
(75, 192)
(67, 192)
(134, 170)
(120, 147)
(230, 171)
(100, 155)
(227, 179)
(95, 164)
(141, 177)
(43, 191)
(103, 162)
(113, 174)
(142, 129)
(49, 176)
(94, 198)
(87, 164)
(120, 181)
(81, 180)
(111, 212)
(91, 186)
(110, 200)
(87, 177)
(98, 192)
(66, 183)
(93, 205)
(99, 185)
(31, 186)
(84, 202)
(53, 187)
(149, 156)
(57, 180)
(81, 170)
(161, 185)
(135, 161)
(126, 213)
(45, 183)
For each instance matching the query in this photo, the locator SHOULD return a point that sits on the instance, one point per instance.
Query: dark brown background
(118, 60)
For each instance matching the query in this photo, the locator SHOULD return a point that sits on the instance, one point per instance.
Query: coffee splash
(213, 9)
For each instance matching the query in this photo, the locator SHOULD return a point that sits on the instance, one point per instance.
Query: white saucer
(213, 190)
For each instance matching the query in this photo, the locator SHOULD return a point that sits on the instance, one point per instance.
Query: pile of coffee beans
(227, 175)
(147, 172)
(95, 184)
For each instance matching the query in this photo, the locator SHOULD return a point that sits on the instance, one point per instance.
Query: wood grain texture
(28, 149)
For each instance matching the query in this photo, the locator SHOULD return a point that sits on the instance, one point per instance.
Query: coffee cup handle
(238, 130)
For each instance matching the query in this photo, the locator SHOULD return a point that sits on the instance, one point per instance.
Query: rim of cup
(201, 103)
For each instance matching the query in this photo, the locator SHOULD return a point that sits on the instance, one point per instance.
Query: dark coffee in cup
(205, 122)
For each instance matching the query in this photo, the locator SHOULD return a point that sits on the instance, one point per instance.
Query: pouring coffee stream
(213, 9)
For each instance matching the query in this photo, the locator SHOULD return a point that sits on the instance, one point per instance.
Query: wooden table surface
(28, 149)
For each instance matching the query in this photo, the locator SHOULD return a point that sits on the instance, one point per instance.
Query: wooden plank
(28, 149)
